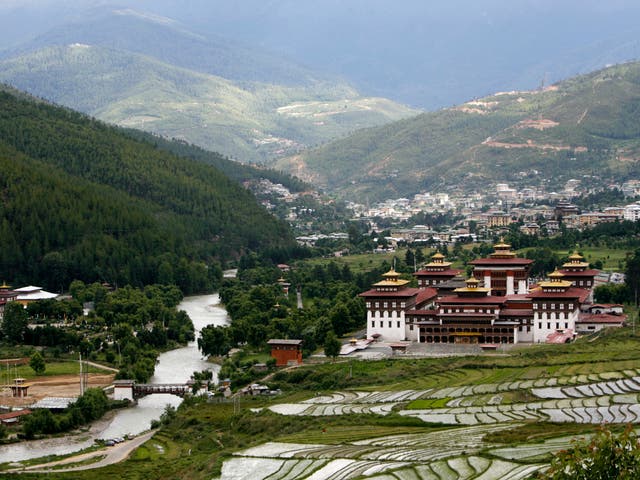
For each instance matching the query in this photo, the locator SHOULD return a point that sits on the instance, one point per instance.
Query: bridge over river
(130, 390)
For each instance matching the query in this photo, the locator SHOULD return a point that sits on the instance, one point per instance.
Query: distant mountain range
(588, 125)
(144, 71)
(84, 200)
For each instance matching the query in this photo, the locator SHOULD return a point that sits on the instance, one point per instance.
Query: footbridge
(130, 390)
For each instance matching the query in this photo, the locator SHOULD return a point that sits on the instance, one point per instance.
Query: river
(174, 366)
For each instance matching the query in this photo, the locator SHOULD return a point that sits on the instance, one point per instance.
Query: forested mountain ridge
(82, 200)
(588, 125)
(132, 70)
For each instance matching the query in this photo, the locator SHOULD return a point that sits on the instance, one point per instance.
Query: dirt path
(112, 455)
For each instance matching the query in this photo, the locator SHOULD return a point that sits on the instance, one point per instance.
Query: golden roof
(575, 260)
(391, 273)
(555, 280)
(391, 279)
(437, 255)
(472, 286)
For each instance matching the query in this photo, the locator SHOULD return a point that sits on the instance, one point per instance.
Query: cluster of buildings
(498, 304)
(502, 206)
(24, 295)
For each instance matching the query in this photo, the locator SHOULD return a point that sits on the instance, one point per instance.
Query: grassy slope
(598, 112)
(247, 120)
(203, 435)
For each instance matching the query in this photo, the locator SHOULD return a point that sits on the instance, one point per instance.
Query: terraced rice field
(608, 397)
(456, 453)
(448, 454)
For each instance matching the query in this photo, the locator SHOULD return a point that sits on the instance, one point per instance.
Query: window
(535, 306)
(566, 325)
(398, 324)
(384, 305)
(548, 325)
(411, 327)
(553, 306)
(373, 324)
(377, 304)
(528, 329)
(389, 323)
(557, 325)
(368, 304)
(540, 325)
(562, 306)
(381, 324)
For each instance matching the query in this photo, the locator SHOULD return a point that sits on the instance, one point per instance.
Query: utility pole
(81, 377)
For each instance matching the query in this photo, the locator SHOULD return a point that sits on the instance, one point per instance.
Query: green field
(53, 368)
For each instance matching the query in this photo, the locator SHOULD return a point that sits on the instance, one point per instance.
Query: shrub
(605, 456)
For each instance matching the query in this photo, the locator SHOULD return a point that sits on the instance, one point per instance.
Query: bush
(605, 456)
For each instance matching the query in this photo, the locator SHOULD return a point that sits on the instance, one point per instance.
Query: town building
(26, 295)
(632, 212)
(6, 295)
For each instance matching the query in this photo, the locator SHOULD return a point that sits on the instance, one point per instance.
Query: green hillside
(82, 200)
(589, 125)
(248, 120)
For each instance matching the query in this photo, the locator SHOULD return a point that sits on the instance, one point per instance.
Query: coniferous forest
(83, 200)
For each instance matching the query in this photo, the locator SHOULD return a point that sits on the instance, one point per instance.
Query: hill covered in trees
(83, 200)
(587, 125)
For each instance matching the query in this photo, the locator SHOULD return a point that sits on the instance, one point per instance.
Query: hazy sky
(416, 51)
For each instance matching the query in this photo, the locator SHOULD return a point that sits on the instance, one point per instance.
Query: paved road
(112, 455)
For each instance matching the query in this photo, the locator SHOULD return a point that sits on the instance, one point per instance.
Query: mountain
(84, 200)
(588, 125)
(148, 72)
(429, 54)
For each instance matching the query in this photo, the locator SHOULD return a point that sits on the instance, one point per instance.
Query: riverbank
(103, 457)
(174, 366)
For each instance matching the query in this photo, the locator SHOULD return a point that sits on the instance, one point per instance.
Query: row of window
(552, 306)
(390, 323)
(387, 304)
(469, 310)
(566, 325)
(561, 316)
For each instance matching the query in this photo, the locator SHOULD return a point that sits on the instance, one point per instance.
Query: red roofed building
(435, 272)
(493, 307)
(556, 306)
(503, 272)
(6, 295)
(577, 271)
(386, 303)
(286, 352)
(594, 322)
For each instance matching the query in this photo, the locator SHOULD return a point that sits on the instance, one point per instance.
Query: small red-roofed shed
(286, 352)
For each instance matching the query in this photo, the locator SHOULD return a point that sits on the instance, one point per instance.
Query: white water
(175, 366)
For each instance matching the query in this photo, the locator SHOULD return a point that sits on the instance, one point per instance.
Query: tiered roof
(437, 267)
(391, 286)
(557, 287)
(502, 256)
